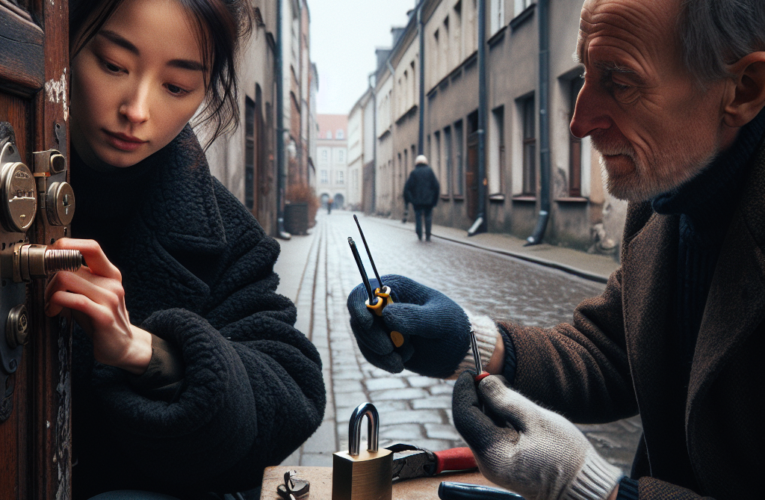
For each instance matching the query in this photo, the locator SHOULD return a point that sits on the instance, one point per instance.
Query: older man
(672, 99)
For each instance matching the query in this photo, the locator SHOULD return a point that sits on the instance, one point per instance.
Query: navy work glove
(526, 448)
(435, 328)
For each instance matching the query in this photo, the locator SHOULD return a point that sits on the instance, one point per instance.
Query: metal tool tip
(355, 218)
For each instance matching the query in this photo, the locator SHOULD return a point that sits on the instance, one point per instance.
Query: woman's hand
(96, 299)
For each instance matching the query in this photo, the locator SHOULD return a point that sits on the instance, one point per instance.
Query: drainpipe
(373, 207)
(480, 224)
(543, 11)
(280, 168)
(421, 29)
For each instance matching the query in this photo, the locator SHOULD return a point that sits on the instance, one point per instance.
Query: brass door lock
(24, 262)
(22, 192)
(17, 193)
(56, 195)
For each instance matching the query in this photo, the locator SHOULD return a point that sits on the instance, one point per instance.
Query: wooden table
(424, 488)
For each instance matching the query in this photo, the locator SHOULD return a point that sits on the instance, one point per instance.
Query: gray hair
(716, 33)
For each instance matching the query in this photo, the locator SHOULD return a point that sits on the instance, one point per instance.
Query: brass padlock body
(363, 474)
(369, 476)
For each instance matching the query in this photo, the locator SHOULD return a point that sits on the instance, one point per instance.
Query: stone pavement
(318, 273)
(589, 266)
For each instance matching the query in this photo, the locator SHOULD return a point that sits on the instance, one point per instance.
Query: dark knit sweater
(705, 205)
(197, 270)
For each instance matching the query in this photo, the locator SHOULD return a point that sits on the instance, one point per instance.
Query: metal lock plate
(18, 195)
(60, 203)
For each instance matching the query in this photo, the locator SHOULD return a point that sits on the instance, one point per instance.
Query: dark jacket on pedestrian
(421, 188)
(623, 354)
(242, 389)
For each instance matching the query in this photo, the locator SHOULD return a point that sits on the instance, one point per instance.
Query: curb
(599, 278)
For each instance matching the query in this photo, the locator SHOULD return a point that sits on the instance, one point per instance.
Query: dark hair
(222, 25)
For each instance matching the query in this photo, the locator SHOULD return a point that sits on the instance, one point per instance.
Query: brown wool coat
(619, 357)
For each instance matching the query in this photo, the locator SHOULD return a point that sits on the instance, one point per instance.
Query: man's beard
(674, 166)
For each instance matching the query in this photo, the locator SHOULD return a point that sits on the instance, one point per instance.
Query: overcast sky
(344, 35)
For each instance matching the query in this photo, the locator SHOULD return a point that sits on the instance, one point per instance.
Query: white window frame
(521, 5)
(497, 15)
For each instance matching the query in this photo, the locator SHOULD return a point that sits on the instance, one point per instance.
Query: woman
(188, 376)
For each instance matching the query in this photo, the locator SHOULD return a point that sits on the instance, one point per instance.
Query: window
(579, 150)
(406, 163)
(415, 97)
(436, 161)
(324, 155)
(496, 151)
(459, 162)
(405, 92)
(437, 52)
(575, 145)
(448, 160)
(529, 147)
(329, 135)
(324, 179)
(339, 177)
(457, 33)
(521, 5)
(445, 48)
(339, 135)
(497, 15)
(341, 156)
(249, 154)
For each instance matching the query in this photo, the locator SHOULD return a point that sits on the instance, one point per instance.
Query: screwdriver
(481, 374)
(381, 296)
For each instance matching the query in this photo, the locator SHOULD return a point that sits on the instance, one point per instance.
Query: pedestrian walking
(422, 190)
(188, 377)
(673, 99)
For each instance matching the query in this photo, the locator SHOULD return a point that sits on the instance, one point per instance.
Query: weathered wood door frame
(35, 443)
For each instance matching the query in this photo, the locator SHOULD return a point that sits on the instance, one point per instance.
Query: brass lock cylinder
(363, 474)
(25, 262)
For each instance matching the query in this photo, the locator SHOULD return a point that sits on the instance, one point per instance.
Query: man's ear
(749, 94)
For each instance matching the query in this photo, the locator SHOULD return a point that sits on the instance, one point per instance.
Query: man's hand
(437, 330)
(525, 448)
(96, 299)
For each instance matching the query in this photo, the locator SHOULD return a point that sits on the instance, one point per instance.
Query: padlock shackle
(354, 429)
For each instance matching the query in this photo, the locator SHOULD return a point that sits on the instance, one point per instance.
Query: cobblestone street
(416, 409)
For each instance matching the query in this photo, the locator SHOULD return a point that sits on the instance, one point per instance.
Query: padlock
(363, 474)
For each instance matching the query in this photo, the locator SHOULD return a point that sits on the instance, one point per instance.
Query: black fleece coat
(422, 188)
(198, 272)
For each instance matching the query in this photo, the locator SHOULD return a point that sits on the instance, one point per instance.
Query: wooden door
(35, 458)
(471, 177)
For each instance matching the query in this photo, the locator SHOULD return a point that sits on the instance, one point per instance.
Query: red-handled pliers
(410, 461)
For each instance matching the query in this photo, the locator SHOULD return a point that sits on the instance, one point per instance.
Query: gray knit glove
(527, 449)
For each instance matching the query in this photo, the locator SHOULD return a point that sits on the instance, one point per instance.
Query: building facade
(360, 151)
(581, 213)
(244, 161)
(332, 160)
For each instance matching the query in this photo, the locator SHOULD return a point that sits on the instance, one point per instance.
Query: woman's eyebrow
(187, 64)
(125, 44)
(119, 40)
